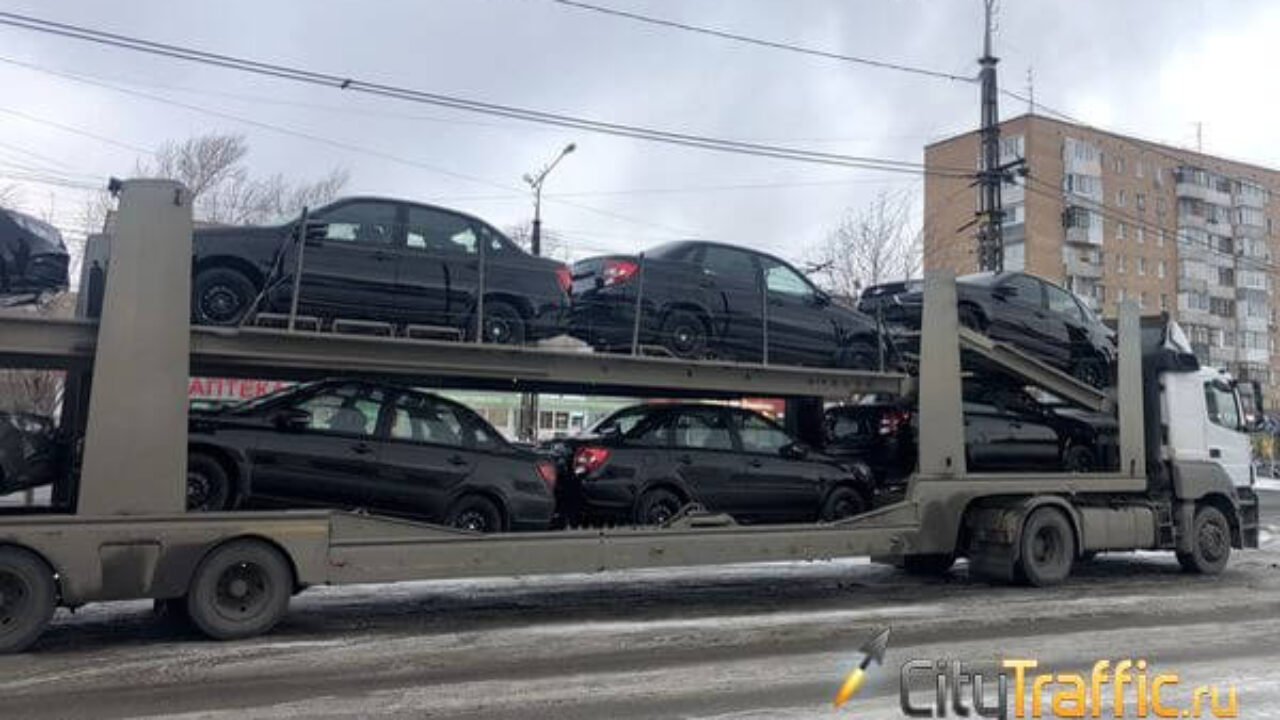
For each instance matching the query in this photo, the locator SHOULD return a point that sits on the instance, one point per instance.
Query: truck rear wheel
(28, 598)
(1047, 548)
(1210, 542)
(240, 589)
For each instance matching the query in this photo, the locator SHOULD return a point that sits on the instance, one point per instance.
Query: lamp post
(535, 182)
(528, 429)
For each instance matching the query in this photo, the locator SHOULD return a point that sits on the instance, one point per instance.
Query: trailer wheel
(28, 598)
(240, 589)
(1047, 548)
(1211, 542)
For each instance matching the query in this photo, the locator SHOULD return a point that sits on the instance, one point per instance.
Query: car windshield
(253, 404)
(620, 421)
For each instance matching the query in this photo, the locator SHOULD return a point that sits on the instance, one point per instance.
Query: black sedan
(28, 451)
(710, 300)
(1006, 428)
(1024, 310)
(376, 446)
(383, 260)
(33, 258)
(653, 460)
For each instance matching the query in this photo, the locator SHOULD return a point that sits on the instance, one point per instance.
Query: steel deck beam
(269, 353)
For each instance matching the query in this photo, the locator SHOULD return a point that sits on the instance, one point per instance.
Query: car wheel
(240, 589)
(858, 356)
(475, 514)
(208, 483)
(1077, 459)
(28, 597)
(221, 296)
(1090, 372)
(684, 335)
(503, 324)
(657, 507)
(1210, 542)
(843, 502)
(1047, 548)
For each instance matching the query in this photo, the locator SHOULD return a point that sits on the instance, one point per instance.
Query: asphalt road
(758, 641)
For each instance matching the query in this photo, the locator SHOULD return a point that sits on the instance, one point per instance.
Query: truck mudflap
(1249, 523)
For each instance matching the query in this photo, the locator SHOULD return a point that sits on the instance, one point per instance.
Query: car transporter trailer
(124, 533)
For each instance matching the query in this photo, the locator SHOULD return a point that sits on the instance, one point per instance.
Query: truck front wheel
(28, 597)
(241, 589)
(1047, 548)
(1210, 542)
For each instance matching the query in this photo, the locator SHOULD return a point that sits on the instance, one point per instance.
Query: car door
(775, 487)
(984, 429)
(801, 331)
(1032, 438)
(1066, 325)
(428, 454)
(1019, 312)
(1227, 444)
(703, 456)
(730, 282)
(422, 277)
(326, 462)
(350, 260)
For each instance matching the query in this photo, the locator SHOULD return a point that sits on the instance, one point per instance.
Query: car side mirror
(821, 299)
(1004, 292)
(795, 451)
(292, 419)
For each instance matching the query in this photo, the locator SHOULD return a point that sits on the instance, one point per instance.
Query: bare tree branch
(868, 247)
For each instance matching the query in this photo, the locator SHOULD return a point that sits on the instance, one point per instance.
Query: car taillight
(893, 421)
(617, 271)
(587, 460)
(547, 471)
(565, 278)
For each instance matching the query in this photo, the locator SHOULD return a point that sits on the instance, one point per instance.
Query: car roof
(402, 201)
(729, 246)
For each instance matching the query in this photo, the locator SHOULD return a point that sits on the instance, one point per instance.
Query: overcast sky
(1152, 68)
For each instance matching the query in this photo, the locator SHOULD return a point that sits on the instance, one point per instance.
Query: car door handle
(361, 449)
(456, 460)
(1215, 452)
(684, 460)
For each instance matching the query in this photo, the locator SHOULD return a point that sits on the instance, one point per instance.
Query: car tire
(239, 590)
(928, 564)
(843, 502)
(657, 507)
(1078, 459)
(1210, 542)
(684, 335)
(221, 296)
(475, 513)
(1047, 548)
(208, 483)
(503, 324)
(1090, 371)
(28, 597)
(859, 356)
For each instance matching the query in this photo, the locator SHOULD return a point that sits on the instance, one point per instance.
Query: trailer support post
(941, 443)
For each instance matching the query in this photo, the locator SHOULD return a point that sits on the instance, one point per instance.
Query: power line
(456, 102)
(774, 44)
(74, 130)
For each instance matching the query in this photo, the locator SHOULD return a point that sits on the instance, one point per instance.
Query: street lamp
(535, 182)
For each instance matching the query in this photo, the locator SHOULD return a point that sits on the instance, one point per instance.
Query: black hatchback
(356, 444)
(648, 462)
(710, 300)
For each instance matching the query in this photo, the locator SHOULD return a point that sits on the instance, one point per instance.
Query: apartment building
(1117, 218)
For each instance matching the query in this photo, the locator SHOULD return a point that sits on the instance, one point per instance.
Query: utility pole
(990, 213)
(527, 419)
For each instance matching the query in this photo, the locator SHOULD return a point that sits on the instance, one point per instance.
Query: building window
(1160, 268)
(1138, 169)
(1119, 296)
(1226, 277)
(546, 420)
(1140, 201)
(1100, 293)
(1160, 206)
(1120, 266)
(1164, 301)
(1119, 164)
(1141, 235)
(1119, 231)
(1142, 265)
(1160, 237)
(1142, 301)
(1120, 198)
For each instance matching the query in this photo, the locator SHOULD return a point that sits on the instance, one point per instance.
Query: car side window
(702, 429)
(729, 264)
(1220, 403)
(438, 231)
(1060, 301)
(421, 418)
(366, 223)
(653, 431)
(759, 435)
(346, 410)
(779, 278)
(1025, 290)
(841, 426)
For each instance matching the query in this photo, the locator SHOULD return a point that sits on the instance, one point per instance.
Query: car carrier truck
(121, 532)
